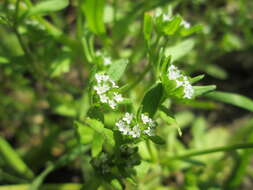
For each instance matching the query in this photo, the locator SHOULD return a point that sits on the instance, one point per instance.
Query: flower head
(129, 125)
(105, 89)
(181, 80)
(186, 24)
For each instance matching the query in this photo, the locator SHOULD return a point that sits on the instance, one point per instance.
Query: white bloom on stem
(181, 81)
(173, 73)
(145, 119)
(188, 91)
(135, 132)
(117, 97)
(186, 24)
(101, 89)
(107, 61)
(103, 98)
(112, 104)
(149, 131)
(166, 17)
(128, 118)
(101, 78)
(122, 127)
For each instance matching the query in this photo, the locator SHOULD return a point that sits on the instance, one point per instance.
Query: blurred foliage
(46, 53)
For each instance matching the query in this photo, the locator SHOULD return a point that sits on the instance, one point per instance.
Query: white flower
(103, 90)
(166, 17)
(112, 104)
(122, 127)
(135, 132)
(173, 73)
(181, 81)
(158, 12)
(107, 61)
(149, 131)
(100, 89)
(101, 78)
(103, 98)
(128, 118)
(145, 119)
(186, 24)
(117, 97)
(113, 84)
(188, 91)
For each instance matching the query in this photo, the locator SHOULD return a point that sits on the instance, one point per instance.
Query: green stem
(11, 178)
(213, 150)
(150, 151)
(61, 186)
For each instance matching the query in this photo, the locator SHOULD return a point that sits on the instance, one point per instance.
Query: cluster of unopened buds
(181, 81)
(106, 89)
(129, 125)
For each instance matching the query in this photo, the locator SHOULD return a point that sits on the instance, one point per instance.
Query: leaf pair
(95, 133)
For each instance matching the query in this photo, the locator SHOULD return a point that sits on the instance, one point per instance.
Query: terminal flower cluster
(106, 88)
(129, 125)
(181, 81)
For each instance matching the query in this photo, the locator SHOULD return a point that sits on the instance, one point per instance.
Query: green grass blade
(232, 98)
(60, 186)
(94, 12)
(13, 160)
(213, 150)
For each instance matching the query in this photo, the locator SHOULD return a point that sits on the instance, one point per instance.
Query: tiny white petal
(128, 118)
(135, 132)
(107, 61)
(117, 97)
(103, 98)
(145, 119)
(186, 24)
(166, 17)
(173, 73)
(112, 104)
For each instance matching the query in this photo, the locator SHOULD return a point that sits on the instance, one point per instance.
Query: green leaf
(85, 133)
(109, 136)
(180, 49)
(117, 69)
(171, 27)
(201, 90)
(94, 12)
(170, 118)
(97, 144)
(95, 112)
(95, 125)
(13, 160)
(152, 99)
(147, 27)
(60, 65)
(232, 98)
(47, 6)
(215, 71)
(157, 140)
(191, 30)
(196, 79)
(4, 60)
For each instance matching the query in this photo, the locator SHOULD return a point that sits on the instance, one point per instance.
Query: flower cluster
(181, 81)
(105, 89)
(166, 17)
(129, 125)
